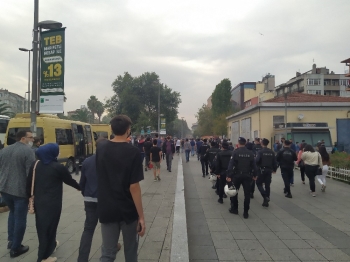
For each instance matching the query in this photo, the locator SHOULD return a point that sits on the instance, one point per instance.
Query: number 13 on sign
(54, 70)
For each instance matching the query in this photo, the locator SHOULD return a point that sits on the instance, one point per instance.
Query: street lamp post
(27, 50)
(182, 127)
(49, 24)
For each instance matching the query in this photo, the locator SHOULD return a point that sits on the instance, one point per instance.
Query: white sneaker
(313, 194)
(50, 259)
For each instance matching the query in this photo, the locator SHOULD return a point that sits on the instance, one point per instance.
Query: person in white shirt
(178, 145)
(313, 162)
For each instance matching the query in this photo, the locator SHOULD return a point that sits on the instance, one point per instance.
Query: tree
(205, 121)
(106, 119)
(96, 107)
(5, 110)
(221, 98)
(82, 115)
(137, 95)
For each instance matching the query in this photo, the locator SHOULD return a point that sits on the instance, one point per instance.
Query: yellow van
(75, 139)
(102, 130)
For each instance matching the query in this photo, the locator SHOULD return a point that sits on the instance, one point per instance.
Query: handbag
(150, 165)
(31, 199)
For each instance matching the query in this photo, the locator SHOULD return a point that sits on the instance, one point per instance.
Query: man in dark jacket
(256, 148)
(286, 157)
(169, 149)
(212, 152)
(88, 185)
(204, 157)
(222, 162)
(266, 162)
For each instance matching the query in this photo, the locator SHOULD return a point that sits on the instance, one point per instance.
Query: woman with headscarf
(48, 192)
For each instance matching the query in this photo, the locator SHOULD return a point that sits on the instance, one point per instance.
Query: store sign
(163, 126)
(52, 51)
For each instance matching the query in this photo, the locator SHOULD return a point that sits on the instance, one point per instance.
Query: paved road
(158, 201)
(299, 229)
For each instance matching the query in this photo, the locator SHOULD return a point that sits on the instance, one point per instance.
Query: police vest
(224, 157)
(244, 158)
(204, 149)
(212, 152)
(267, 158)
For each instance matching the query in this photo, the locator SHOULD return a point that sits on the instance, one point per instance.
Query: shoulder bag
(31, 199)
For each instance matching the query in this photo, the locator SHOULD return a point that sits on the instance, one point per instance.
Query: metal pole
(39, 70)
(35, 69)
(28, 109)
(158, 110)
(285, 115)
(182, 127)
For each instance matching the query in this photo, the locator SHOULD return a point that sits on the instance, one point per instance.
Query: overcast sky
(191, 44)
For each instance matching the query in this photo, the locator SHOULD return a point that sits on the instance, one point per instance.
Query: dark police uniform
(212, 152)
(241, 170)
(222, 163)
(256, 149)
(286, 157)
(204, 158)
(266, 163)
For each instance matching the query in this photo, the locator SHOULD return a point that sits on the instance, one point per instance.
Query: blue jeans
(17, 220)
(187, 152)
(192, 151)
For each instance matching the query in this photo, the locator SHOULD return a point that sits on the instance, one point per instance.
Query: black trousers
(91, 220)
(264, 178)
(302, 173)
(311, 172)
(252, 187)
(169, 160)
(287, 174)
(245, 181)
(205, 165)
(222, 184)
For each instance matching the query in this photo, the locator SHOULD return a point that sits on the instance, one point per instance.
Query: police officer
(256, 148)
(222, 162)
(212, 152)
(286, 157)
(266, 162)
(204, 157)
(241, 170)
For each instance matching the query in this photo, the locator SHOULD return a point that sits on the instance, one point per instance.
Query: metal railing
(342, 174)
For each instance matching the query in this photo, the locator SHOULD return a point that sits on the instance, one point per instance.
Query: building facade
(317, 81)
(299, 111)
(237, 94)
(17, 103)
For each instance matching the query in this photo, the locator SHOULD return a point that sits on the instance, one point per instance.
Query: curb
(179, 243)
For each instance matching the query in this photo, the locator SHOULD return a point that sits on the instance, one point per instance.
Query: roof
(301, 97)
(346, 61)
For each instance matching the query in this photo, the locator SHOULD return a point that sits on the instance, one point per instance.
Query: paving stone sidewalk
(303, 228)
(158, 202)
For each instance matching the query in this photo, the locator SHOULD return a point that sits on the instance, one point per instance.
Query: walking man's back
(119, 171)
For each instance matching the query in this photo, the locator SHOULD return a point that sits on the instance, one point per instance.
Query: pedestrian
(204, 157)
(15, 162)
(297, 147)
(159, 141)
(267, 164)
(275, 146)
(163, 142)
(48, 192)
(222, 161)
(292, 145)
(156, 159)
(36, 143)
(249, 145)
(326, 162)
(187, 147)
(193, 144)
(88, 186)
(198, 146)
(146, 148)
(178, 144)
(169, 149)
(140, 145)
(313, 162)
(212, 152)
(182, 145)
(119, 172)
(241, 170)
(286, 157)
(256, 148)
(300, 163)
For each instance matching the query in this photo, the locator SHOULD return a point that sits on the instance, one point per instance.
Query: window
(344, 82)
(335, 82)
(314, 92)
(278, 120)
(102, 134)
(313, 82)
(3, 126)
(64, 136)
(11, 135)
(326, 82)
(312, 138)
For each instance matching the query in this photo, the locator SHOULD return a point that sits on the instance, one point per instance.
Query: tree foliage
(5, 110)
(96, 107)
(221, 98)
(178, 128)
(137, 97)
(83, 115)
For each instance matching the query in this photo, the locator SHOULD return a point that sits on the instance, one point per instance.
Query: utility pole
(182, 127)
(158, 110)
(34, 100)
(285, 116)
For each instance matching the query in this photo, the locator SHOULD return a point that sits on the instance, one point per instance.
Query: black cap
(225, 145)
(242, 139)
(265, 141)
(287, 142)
